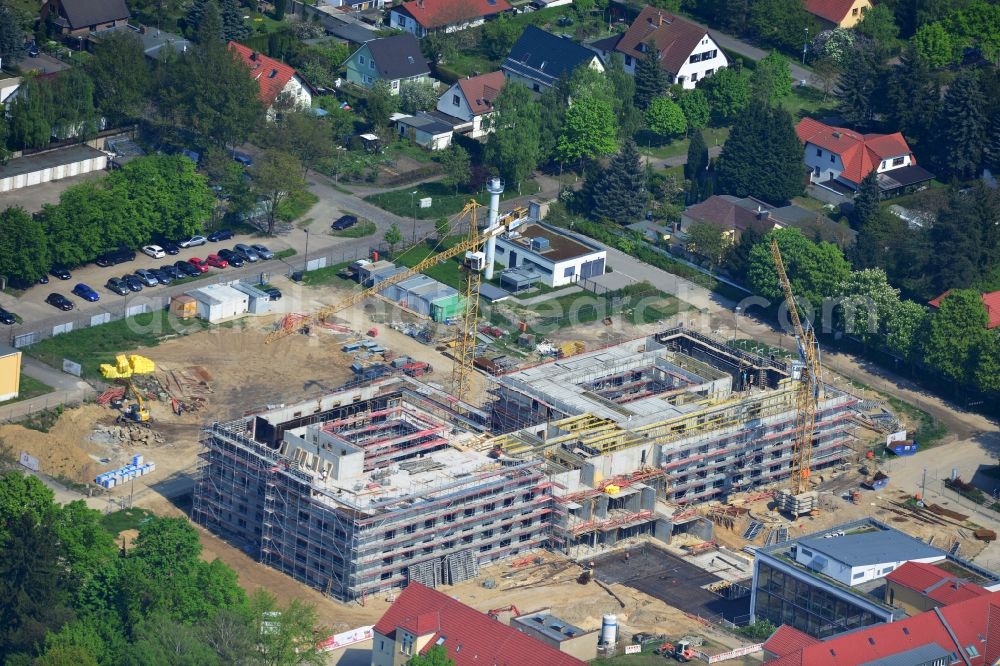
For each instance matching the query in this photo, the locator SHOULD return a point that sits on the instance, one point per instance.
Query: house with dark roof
(688, 53)
(470, 101)
(393, 59)
(421, 618)
(422, 17)
(275, 79)
(78, 18)
(424, 129)
(991, 300)
(838, 13)
(965, 633)
(538, 59)
(732, 216)
(918, 587)
(839, 159)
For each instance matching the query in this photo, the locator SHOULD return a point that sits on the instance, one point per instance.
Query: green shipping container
(447, 307)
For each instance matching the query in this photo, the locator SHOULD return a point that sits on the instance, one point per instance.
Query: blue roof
(544, 57)
(873, 547)
(925, 654)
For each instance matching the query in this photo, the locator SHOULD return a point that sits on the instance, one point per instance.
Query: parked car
(171, 247)
(274, 293)
(194, 241)
(199, 264)
(216, 260)
(58, 300)
(247, 252)
(161, 275)
(344, 222)
(116, 286)
(119, 256)
(155, 251)
(60, 272)
(243, 159)
(132, 282)
(146, 277)
(220, 235)
(43, 280)
(262, 251)
(187, 269)
(7, 317)
(32, 50)
(234, 259)
(86, 293)
(172, 271)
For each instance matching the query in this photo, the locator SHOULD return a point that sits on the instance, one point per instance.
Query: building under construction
(366, 489)
(630, 432)
(361, 491)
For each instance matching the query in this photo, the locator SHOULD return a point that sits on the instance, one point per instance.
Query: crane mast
(807, 392)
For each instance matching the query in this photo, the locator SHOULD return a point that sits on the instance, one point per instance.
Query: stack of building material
(119, 476)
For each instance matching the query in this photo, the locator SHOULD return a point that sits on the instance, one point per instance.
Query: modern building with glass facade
(805, 583)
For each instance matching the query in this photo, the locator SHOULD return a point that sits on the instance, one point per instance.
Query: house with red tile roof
(919, 587)
(687, 52)
(470, 101)
(966, 633)
(421, 618)
(422, 17)
(990, 299)
(840, 158)
(838, 13)
(275, 79)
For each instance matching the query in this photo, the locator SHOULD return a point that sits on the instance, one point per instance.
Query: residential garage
(51, 165)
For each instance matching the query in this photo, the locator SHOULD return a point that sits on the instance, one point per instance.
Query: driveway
(736, 45)
(43, 64)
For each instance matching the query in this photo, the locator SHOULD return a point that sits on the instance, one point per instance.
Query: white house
(839, 156)
(470, 100)
(856, 558)
(275, 79)
(556, 258)
(422, 17)
(424, 129)
(688, 53)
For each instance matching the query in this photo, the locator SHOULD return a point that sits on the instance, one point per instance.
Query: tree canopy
(513, 148)
(620, 194)
(762, 157)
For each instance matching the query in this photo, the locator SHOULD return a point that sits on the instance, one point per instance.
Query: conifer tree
(696, 168)
(650, 79)
(762, 157)
(234, 28)
(621, 194)
(991, 150)
(962, 127)
(856, 89)
(866, 201)
(209, 32)
(913, 97)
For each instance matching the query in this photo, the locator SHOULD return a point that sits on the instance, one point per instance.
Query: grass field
(126, 519)
(327, 275)
(94, 345)
(30, 388)
(652, 145)
(296, 205)
(447, 273)
(444, 200)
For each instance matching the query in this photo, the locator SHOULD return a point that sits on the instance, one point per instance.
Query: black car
(170, 247)
(344, 222)
(161, 275)
(220, 235)
(116, 286)
(132, 282)
(60, 272)
(234, 258)
(7, 317)
(243, 159)
(43, 280)
(273, 293)
(119, 256)
(172, 271)
(32, 49)
(187, 269)
(59, 301)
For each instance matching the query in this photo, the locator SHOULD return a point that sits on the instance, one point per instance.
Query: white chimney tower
(495, 188)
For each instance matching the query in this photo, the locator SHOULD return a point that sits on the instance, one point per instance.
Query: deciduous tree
(666, 118)
(121, 76)
(780, 23)
(393, 236)
(728, 94)
(436, 656)
(304, 135)
(276, 176)
(380, 104)
(513, 148)
(589, 131)
(707, 241)
(934, 45)
(694, 104)
(24, 248)
(771, 80)
(416, 96)
(456, 165)
(499, 35)
(955, 332)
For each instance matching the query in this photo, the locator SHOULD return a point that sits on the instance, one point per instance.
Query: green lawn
(411, 150)
(99, 344)
(284, 254)
(808, 101)
(126, 519)
(30, 388)
(327, 275)
(650, 144)
(444, 201)
(447, 272)
(296, 205)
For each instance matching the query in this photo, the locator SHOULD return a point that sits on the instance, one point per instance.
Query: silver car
(147, 277)
(246, 252)
(262, 251)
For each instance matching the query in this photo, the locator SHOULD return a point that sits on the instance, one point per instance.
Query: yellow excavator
(124, 368)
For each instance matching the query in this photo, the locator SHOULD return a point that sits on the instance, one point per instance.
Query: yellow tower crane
(809, 386)
(472, 264)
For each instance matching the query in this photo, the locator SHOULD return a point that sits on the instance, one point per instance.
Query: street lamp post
(805, 46)
(736, 317)
(413, 214)
(305, 261)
